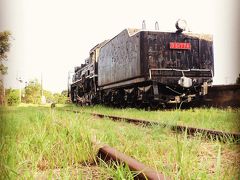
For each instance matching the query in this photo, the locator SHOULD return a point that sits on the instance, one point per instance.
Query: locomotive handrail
(181, 70)
(85, 77)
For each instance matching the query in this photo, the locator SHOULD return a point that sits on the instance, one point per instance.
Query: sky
(50, 37)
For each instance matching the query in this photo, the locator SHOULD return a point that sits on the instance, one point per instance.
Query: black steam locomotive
(145, 68)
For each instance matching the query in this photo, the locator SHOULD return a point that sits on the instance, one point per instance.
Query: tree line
(32, 94)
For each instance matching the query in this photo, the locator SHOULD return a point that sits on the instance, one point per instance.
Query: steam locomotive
(139, 67)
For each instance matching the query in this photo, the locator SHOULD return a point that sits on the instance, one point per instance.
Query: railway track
(220, 135)
(209, 133)
(139, 170)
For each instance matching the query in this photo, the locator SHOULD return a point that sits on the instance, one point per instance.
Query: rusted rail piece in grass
(107, 153)
(190, 130)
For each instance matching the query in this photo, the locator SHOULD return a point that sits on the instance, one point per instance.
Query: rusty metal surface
(119, 59)
(124, 83)
(107, 153)
(128, 56)
(156, 53)
(190, 130)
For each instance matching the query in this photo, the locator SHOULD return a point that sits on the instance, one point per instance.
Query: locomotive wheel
(78, 103)
(123, 104)
(107, 100)
(138, 104)
(162, 106)
(154, 105)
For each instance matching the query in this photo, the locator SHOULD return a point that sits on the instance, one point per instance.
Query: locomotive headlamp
(181, 25)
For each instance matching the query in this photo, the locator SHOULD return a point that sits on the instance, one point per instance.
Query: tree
(4, 48)
(12, 97)
(60, 98)
(49, 96)
(64, 93)
(33, 92)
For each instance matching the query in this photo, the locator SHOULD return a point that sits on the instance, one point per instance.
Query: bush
(12, 96)
(59, 98)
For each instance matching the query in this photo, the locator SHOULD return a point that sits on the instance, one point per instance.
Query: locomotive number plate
(179, 45)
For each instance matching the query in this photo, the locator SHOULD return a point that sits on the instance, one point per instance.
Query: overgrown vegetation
(47, 143)
(31, 94)
(39, 143)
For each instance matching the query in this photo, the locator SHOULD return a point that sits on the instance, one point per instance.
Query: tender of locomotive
(141, 67)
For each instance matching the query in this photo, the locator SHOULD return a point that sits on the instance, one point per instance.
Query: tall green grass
(43, 142)
(178, 156)
(35, 140)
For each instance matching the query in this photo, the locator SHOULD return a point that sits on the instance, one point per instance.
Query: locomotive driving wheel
(154, 104)
(138, 104)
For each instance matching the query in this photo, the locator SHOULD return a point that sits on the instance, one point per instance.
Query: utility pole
(43, 99)
(41, 86)
(20, 91)
(69, 84)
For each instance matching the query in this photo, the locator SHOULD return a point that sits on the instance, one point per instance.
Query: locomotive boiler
(141, 67)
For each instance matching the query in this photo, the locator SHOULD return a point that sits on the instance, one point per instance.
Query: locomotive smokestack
(143, 24)
(156, 26)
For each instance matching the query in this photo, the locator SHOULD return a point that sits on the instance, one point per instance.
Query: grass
(213, 118)
(43, 142)
(177, 156)
(36, 142)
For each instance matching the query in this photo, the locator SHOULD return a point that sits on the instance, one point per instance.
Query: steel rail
(179, 128)
(212, 134)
